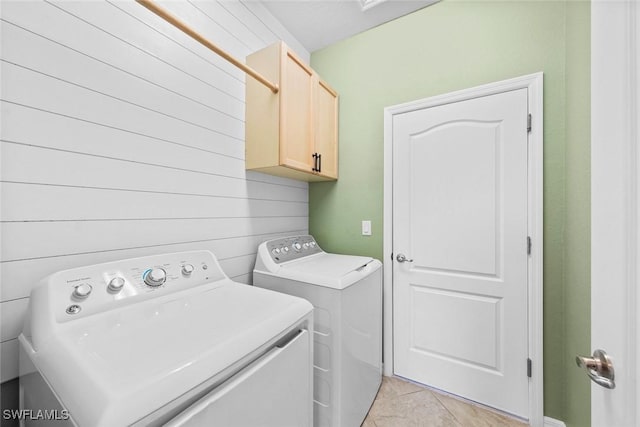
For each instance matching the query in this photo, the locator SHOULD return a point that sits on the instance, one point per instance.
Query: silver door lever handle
(599, 368)
(402, 258)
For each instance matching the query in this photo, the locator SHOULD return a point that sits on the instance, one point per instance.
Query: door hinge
(529, 123)
(528, 245)
(529, 368)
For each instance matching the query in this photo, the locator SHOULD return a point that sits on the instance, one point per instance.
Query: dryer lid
(115, 367)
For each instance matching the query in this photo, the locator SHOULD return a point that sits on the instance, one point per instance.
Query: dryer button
(73, 309)
(187, 269)
(82, 291)
(115, 285)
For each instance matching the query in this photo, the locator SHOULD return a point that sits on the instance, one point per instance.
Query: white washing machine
(346, 292)
(165, 340)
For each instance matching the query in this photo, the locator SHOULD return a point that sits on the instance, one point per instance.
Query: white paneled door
(460, 194)
(615, 211)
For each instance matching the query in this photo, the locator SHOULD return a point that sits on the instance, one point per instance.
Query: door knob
(402, 258)
(599, 368)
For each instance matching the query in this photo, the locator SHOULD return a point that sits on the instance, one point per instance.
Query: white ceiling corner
(320, 23)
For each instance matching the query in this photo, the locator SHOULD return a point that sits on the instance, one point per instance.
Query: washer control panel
(290, 248)
(86, 290)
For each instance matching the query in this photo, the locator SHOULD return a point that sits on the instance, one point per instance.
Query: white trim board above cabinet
(293, 133)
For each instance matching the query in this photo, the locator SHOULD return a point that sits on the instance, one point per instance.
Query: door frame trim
(534, 85)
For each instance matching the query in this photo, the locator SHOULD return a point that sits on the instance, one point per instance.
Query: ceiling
(319, 23)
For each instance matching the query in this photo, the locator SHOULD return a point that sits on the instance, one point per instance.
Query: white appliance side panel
(274, 391)
(347, 344)
(361, 355)
(327, 306)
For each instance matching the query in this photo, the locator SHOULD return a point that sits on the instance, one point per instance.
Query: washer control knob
(305, 246)
(82, 291)
(285, 249)
(187, 269)
(275, 251)
(312, 244)
(155, 277)
(297, 246)
(115, 284)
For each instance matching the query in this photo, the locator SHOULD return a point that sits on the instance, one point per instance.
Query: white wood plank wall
(122, 137)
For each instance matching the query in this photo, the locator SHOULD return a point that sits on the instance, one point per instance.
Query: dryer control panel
(290, 248)
(83, 291)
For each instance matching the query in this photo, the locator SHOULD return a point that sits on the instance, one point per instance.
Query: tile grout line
(446, 408)
(439, 395)
(478, 406)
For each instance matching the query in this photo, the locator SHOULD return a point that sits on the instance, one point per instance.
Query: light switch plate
(366, 228)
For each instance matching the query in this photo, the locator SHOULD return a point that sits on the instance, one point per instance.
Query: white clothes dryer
(165, 340)
(346, 292)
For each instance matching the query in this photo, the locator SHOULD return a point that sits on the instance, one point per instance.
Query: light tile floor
(403, 404)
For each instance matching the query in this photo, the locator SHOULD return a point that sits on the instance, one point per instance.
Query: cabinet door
(296, 113)
(326, 129)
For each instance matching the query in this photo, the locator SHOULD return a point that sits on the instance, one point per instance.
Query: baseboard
(552, 422)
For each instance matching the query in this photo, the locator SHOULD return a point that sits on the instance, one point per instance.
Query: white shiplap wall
(123, 137)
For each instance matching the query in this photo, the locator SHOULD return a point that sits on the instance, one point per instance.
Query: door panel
(327, 129)
(297, 114)
(446, 187)
(273, 391)
(432, 307)
(460, 213)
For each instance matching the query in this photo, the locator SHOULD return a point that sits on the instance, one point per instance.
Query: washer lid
(329, 270)
(115, 367)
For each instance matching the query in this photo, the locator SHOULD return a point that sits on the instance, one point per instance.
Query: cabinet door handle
(315, 162)
(319, 163)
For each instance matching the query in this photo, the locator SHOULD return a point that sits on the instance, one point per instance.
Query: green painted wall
(454, 45)
(577, 244)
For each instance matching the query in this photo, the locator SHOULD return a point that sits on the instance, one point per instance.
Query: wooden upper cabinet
(292, 133)
(326, 129)
(296, 113)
